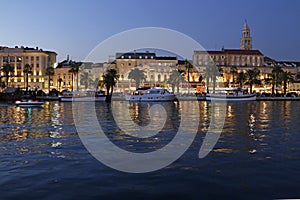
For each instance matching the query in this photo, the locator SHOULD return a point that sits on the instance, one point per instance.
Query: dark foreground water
(256, 157)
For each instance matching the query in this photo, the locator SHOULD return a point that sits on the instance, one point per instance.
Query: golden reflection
(251, 123)
(229, 111)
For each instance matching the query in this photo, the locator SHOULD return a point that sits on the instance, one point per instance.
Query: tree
(109, 80)
(7, 70)
(286, 77)
(2, 84)
(27, 70)
(252, 77)
(49, 72)
(75, 67)
(233, 72)
(85, 79)
(188, 67)
(175, 79)
(241, 78)
(211, 73)
(137, 75)
(276, 77)
(298, 76)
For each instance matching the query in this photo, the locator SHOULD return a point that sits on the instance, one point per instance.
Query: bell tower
(246, 40)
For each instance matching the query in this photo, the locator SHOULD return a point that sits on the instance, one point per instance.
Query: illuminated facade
(157, 68)
(241, 59)
(18, 57)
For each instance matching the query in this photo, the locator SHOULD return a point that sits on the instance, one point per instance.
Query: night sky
(75, 27)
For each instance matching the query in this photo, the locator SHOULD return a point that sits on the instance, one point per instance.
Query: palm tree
(7, 70)
(109, 80)
(276, 77)
(49, 72)
(85, 79)
(137, 75)
(212, 72)
(252, 77)
(233, 71)
(175, 79)
(27, 70)
(298, 76)
(241, 77)
(2, 84)
(188, 67)
(59, 83)
(75, 67)
(286, 77)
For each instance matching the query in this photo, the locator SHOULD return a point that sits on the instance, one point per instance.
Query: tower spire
(246, 40)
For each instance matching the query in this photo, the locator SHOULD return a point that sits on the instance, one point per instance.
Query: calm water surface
(256, 157)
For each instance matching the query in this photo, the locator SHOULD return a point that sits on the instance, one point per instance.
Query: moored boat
(237, 94)
(151, 94)
(88, 96)
(29, 103)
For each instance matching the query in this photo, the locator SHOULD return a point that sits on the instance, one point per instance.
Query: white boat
(29, 103)
(151, 94)
(237, 94)
(89, 96)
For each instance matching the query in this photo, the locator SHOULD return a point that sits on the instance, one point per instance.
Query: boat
(89, 96)
(150, 94)
(237, 94)
(29, 103)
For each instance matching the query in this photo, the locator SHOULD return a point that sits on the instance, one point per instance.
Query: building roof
(233, 52)
(22, 49)
(166, 58)
(135, 55)
(269, 61)
(243, 52)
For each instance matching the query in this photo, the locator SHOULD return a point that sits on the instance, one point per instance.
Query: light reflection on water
(259, 144)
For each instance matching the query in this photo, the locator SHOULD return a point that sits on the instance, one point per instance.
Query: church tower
(246, 40)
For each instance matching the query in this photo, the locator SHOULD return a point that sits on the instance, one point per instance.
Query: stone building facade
(18, 57)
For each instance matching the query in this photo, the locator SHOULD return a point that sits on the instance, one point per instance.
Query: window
(129, 64)
(37, 65)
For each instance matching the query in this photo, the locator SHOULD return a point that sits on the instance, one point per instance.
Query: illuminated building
(18, 57)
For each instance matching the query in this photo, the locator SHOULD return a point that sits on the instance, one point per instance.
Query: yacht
(98, 95)
(236, 94)
(151, 94)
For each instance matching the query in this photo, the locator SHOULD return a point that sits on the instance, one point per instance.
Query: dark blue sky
(76, 27)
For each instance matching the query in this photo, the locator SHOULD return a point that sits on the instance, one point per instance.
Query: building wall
(18, 57)
(157, 69)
